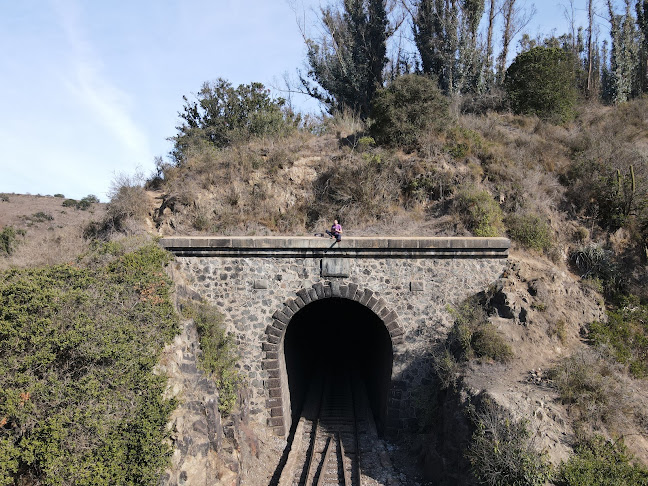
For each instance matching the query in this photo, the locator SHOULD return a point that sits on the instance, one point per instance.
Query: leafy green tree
(409, 107)
(223, 114)
(346, 65)
(542, 82)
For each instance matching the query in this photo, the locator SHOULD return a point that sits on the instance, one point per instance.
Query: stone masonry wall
(415, 287)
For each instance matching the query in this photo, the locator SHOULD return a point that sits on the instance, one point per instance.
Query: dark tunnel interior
(339, 336)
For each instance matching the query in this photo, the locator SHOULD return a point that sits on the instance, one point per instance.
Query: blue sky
(91, 89)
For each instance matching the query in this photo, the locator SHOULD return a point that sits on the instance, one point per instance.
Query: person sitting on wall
(335, 232)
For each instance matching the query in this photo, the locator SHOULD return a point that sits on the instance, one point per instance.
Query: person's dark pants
(338, 236)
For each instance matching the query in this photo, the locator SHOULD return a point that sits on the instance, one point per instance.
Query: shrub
(79, 402)
(406, 109)
(596, 263)
(8, 239)
(59, 195)
(530, 230)
(542, 82)
(472, 336)
(218, 357)
(598, 462)
(626, 334)
(593, 388)
(479, 211)
(4, 197)
(69, 203)
(502, 451)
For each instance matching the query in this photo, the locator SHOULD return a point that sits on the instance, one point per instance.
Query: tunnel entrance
(337, 337)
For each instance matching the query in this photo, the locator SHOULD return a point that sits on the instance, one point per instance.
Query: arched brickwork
(272, 346)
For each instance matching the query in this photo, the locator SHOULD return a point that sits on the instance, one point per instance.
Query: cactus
(632, 179)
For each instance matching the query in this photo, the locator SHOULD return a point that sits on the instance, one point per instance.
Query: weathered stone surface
(335, 267)
(407, 282)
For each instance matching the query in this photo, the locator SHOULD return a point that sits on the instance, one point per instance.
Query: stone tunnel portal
(339, 337)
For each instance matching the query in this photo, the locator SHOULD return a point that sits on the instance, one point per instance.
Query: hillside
(571, 307)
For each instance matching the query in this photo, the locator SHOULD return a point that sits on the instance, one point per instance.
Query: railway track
(334, 441)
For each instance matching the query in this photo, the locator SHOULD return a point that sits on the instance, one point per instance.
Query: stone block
(274, 402)
(366, 296)
(305, 297)
(392, 326)
(273, 331)
(274, 373)
(280, 316)
(269, 347)
(276, 412)
(272, 355)
(273, 383)
(274, 392)
(372, 302)
(281, 326)
(313, 295)
(379, 306)
(270, 364)
(417, 286)
(336, 267)
(274, 339)
(353, 288)
(260, 284)
(276, 422)
(319, 290)
(287, 311)
(299, 302)
(392, 316)
(293, 305)
(327, 291)
(335, 289)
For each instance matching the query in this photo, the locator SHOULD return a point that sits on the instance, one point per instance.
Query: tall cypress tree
(624, 56)
(445, 33)
(346, 65)
(642, 22)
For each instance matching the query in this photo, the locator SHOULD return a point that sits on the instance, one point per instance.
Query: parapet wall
(259, 283)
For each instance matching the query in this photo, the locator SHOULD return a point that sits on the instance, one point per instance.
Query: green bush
(472, 336)
(598, 462)
(530, 230)
(408, 108)
(218, 356)
(542, 82)
(8, 239)
(502, 452)
(626, 334)
(480, 212)
(79, 402)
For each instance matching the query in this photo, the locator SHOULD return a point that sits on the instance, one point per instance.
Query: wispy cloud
(106, 103)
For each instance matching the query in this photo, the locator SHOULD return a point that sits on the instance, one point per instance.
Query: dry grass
(46, 241)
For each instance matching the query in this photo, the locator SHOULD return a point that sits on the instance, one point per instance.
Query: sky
(90, 90)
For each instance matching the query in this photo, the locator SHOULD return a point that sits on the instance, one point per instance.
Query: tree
(445, 33)
(347, 63)
(624, 56)
(515, 19)
(642, 22)
(542, 82)
(410, 106)
(223, 114)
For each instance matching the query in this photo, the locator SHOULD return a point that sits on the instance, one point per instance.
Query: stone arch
(276, 384)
